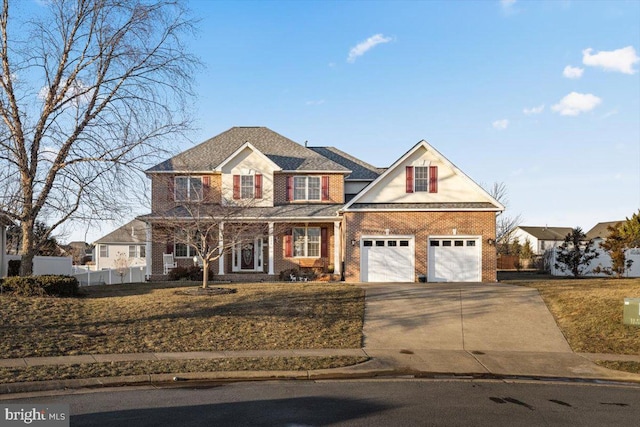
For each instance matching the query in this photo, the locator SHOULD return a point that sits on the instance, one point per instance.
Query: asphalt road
(401, 402)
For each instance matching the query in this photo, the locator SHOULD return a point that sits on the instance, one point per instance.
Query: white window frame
(302, 243)
(423, 180)
(139, 251)
(103, 253)
(306, 187)
(193, 194)
(247, 191)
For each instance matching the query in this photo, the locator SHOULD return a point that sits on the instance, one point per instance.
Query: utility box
(631, 314)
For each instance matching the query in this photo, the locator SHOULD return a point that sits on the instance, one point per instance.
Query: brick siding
(421, 225)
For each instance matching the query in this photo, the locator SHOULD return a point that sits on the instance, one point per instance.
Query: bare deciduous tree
(90, 92)
(505, 224)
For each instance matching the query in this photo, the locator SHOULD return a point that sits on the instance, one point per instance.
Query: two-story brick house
(296, 206)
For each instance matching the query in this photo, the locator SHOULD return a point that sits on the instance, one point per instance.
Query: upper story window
(314, 188)
(247, 186)
(188, 188)
(306, 188)
(104, 251)
(422, 178)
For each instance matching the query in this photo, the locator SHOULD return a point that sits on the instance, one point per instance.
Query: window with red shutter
(325, 188)
(409, 173)
(236, 186)
(258, 185)
(324, 242)
(433, 179)
(287, 243)
(289, 188)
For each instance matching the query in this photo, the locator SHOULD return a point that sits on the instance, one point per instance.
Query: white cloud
(315, 102)
(610, 113)
(572, 72)
(500, 124)
(533, 110)
(576, 103)
(506, 4)
(362, 47)
(621, 60)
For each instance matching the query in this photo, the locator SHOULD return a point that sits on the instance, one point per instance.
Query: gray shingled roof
(425, 206)
(360, 170)
(547, 233)
(287, 154)
(302, 212)
(601, 229)
(124, 234)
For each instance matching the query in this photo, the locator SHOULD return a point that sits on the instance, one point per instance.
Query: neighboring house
(319, 207)
(600, 231)
(82, 252)
(541, 238)
(127, 243)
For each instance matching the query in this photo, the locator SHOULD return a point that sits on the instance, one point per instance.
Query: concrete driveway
(468, 329)
(459, 316)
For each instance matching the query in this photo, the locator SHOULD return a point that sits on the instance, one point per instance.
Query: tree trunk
(28, 250)
(205, 273)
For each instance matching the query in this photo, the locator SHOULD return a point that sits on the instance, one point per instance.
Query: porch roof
(319, 212)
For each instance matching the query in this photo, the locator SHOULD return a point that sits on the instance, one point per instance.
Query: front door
(247, 256)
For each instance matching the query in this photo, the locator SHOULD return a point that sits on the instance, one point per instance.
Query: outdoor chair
(169, 263)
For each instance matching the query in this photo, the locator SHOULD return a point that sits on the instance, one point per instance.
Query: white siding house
(541, 238)
(126, 245)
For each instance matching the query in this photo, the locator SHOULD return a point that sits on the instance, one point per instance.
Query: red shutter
(287, 243)
(170, 189)
(409, 170)
(258, 184)
(433, 179)
(169, 247)
(325, 187)
(206, 187)
(324, 242)
(289, 188)
(236, 186)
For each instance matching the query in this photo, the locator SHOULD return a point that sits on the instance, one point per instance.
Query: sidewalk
(382, 363)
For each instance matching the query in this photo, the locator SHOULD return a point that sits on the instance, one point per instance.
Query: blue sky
(544, 96)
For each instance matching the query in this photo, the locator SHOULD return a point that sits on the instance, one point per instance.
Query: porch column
(337, 248)
(221, 248)
(3, 249)
(271, 248)
(148, 249)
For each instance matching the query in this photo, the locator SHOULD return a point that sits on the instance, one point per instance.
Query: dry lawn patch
(157, 318)
(116, 369)
(589, 312)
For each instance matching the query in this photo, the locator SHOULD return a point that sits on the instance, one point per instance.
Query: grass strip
(113, 369)
(633, 367)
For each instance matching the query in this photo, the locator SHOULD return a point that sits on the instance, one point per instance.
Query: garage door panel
(381, 262)
(454, 263)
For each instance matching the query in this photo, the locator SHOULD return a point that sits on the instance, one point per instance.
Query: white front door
(454, 259)
(387, 259)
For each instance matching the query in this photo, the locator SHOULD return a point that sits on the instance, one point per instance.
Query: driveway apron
(459, 316)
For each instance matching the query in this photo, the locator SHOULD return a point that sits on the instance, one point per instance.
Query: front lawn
(158, 318)
(589, 311)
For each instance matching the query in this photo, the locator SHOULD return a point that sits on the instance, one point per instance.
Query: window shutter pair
(257, 182)
(324, 188)
(433, 179)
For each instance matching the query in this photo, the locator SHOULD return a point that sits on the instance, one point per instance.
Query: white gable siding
(248, 162)
(452, 187)
(114, 252)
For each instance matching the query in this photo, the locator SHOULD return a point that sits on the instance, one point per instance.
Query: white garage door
(387, 259)
(454, 259)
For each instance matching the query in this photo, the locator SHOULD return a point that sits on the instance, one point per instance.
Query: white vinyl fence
(44, 265)
(603, 261)
(111, 276)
